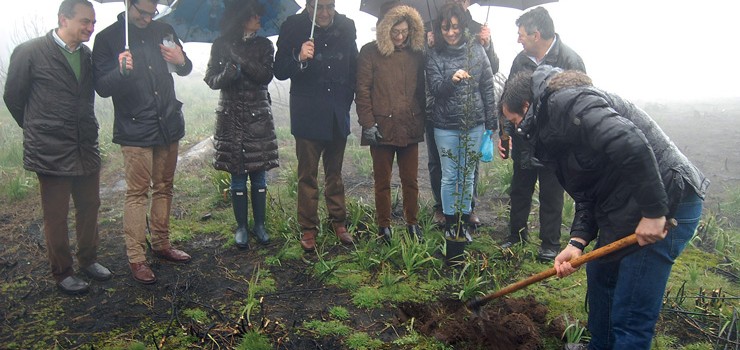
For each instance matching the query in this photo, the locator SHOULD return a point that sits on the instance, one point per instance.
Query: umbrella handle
(124, 71)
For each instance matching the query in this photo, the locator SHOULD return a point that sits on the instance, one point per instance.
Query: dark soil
(33, 314)
(506, 324)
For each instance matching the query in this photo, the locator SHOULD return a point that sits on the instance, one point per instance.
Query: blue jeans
(625, 296)
(258, 179)
(457, 184)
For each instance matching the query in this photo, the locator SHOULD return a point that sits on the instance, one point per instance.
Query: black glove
(231, 70)
(372, 135)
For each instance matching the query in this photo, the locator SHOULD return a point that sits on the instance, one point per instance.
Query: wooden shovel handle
(594, 254)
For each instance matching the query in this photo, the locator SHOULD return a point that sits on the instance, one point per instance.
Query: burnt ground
(33, 314)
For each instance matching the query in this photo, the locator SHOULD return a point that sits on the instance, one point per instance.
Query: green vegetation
(372, 276)
(323, 329)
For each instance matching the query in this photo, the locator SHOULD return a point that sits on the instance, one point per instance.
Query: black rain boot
(259, 203)
(450, 225)
(240, 205)
(464, 228)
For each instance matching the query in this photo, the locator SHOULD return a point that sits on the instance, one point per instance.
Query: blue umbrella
(199, 20)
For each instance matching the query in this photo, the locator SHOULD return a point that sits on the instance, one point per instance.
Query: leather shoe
(172, 254)
(415, 231)
(511, 241)
(308, 240)
(142, 273)
(97, 272)
(547, 254)
(439, 217)
(384, 233)
(73, 286)
(341, 231)
(474, 219)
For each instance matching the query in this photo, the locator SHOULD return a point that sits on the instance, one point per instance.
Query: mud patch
(506, 324)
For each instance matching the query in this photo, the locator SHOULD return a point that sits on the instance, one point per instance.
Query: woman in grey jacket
(460, 79)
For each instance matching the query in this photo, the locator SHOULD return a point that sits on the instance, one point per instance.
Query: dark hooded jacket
(323, 88)
(245, 138)
(54, 108)
(390, 82)
(610, 156)
(147, 112)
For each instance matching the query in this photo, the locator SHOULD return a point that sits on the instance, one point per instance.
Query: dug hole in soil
(505, 324)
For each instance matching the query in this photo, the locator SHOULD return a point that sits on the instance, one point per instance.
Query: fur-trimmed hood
(393, 16)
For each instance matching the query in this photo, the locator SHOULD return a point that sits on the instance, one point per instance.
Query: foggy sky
(641, 49)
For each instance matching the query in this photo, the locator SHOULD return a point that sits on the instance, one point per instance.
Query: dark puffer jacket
(611, 157)
(390, 82)
(450, 99)
(245, 138)
(54, 108)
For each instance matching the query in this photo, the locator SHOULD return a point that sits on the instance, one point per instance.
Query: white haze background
(642, 49)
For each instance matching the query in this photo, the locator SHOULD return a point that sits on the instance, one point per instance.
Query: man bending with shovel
(626, 176)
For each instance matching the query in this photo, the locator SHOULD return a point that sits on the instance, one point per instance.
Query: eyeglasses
(395, 32)
(320, 8)
(146, 13)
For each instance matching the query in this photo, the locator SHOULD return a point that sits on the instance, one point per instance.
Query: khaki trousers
(309, 152)
(55, 193)
(148, 168)
(408, 170)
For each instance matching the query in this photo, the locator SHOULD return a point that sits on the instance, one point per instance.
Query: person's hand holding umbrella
(125, 62)
(307, 50)
(485, 35)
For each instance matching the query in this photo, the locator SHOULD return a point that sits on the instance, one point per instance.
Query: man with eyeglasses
(541, 46)
(322, 71)
(49, 92)
(148, 125)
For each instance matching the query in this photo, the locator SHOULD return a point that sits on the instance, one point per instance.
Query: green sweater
(74, 61)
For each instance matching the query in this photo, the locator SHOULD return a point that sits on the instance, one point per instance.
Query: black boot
(384, 233)
(450, 225)
(259, 203)
(464, 228)
(240, 205)
(415, 232)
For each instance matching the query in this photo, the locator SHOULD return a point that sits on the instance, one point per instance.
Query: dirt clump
(506, 324)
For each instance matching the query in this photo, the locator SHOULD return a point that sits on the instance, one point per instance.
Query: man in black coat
(148, 125)
(541, 46)
(625, 176)
(49, 91)
(322, 72)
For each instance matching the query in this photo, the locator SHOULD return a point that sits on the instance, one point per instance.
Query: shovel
(475, 304)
